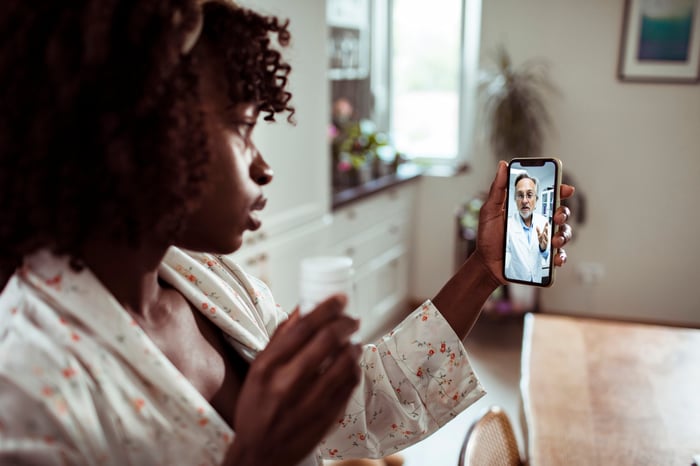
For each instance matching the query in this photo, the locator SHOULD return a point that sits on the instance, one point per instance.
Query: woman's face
(236, 172)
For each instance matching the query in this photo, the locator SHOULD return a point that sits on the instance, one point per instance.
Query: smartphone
(532, 200)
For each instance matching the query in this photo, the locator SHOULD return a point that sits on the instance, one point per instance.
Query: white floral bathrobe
(81, 382)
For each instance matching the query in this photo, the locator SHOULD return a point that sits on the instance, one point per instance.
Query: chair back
(491, 441)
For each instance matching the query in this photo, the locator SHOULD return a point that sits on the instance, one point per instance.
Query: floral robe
(82, 383)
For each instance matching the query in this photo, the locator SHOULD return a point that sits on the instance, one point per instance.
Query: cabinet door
(299, 153)
(381, 256)
(357, 218)
(376, 234)
(381, 291)
(285, 261)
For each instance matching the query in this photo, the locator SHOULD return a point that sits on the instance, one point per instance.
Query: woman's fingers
(327, 397)
(563, 236)
(288, 340)
(343, 371)
(304, 347)
(562, 215)
(296, 387)
(322, 350)
(566, 191)
(560, 258)
(291, 414)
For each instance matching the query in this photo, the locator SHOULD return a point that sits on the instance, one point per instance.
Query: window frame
(381, 59)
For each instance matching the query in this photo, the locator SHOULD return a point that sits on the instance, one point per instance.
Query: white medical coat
(524, 260)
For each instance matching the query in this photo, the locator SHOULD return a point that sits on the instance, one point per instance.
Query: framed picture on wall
(660, 41)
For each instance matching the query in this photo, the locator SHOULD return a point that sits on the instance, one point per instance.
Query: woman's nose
(260, 171)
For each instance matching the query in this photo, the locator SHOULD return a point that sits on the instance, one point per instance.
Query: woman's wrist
(461, 299)
(482, 266)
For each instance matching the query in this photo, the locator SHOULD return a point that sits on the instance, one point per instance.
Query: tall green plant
(516, 115)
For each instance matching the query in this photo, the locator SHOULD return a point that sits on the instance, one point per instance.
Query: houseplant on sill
(360, 153)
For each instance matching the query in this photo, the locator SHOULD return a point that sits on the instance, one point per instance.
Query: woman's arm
(461, 299)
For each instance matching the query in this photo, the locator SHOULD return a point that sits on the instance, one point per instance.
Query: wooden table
(599, 392)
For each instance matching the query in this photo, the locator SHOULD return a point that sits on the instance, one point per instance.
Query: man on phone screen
(527, 244)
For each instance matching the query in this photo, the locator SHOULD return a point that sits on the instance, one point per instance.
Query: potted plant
(515, 111)
(516, 117)
(361, 153)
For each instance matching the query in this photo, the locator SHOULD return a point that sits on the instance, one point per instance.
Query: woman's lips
(260, 203)
(253, 219)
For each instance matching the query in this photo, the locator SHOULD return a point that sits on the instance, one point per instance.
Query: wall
(634, 150)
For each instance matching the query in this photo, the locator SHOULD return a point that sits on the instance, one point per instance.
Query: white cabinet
(376, 233)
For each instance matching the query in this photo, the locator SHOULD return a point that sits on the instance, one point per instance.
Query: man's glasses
(528, 196)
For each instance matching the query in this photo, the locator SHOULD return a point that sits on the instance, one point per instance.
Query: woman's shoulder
(33, 333)
(212, 272)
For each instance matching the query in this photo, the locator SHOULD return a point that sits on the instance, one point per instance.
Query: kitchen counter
(405, 173)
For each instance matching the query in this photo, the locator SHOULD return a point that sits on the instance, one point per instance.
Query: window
(425, 78)
(411, 69)
(429, 77)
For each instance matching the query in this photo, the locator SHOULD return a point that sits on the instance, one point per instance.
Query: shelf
(347, 13)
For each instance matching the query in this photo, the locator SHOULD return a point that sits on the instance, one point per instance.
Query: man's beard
(526, 214)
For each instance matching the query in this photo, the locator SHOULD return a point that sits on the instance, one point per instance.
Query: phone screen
(533, 197)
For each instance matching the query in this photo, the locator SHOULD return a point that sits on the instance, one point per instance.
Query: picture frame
(660, 41)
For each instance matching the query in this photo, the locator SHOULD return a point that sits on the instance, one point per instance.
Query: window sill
(446, 170)
(406, 172)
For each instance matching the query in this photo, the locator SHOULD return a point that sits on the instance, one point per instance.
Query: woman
(126, 336)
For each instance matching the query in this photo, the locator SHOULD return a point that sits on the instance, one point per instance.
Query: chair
(491, 441)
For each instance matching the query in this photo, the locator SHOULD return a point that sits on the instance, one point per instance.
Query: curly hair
(100, 131)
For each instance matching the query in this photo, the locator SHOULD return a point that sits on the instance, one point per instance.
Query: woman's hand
(461, 299)
(489, 243)
(296, 388)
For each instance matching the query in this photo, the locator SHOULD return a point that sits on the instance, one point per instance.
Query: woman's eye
(248, 129)
(245, 130)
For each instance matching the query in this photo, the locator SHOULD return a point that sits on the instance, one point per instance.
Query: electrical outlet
(590, 273)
